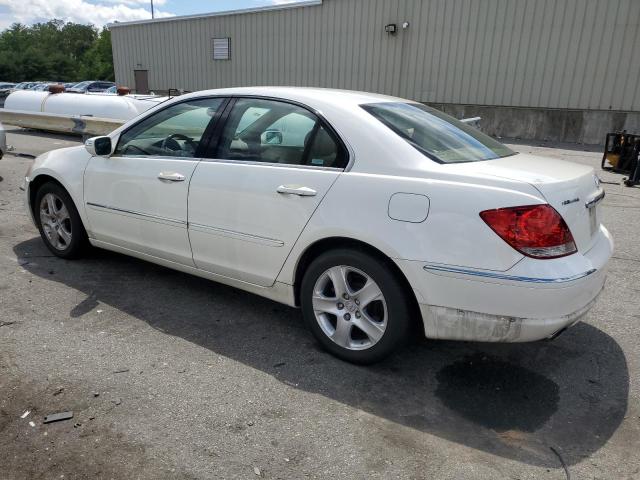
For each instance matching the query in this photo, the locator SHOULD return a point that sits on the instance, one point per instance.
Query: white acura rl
(371, 213)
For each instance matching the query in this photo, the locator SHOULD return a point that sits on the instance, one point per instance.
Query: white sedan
(372, 214)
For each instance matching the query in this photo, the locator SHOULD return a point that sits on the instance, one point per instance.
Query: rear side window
(436, 134)
(269, 131)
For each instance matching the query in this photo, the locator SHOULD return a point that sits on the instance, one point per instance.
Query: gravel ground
(174, 377)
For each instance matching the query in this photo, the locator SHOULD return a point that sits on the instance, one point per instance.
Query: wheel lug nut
(347, 317)
(345, 296)
(358, 314)
(340, 306)
(357, 302)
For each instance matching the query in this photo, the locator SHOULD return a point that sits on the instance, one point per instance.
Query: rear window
(436, 134)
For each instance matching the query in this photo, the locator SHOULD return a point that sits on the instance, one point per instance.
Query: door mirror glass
(98, 146)
(272, 137)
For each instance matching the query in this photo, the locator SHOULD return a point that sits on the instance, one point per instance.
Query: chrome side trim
(271, 164)
(595, 200)
(195, 226)
(237, 235)
(502, 276)
(137, 214)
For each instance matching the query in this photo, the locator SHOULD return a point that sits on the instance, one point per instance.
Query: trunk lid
(572, 189)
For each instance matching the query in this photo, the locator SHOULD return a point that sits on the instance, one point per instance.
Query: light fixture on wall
(391, 29)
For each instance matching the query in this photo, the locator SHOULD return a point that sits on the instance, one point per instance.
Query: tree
(98, 60)
(55, 51)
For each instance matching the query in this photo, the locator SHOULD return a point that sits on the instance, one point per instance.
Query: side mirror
(98, 146)
(272, 137)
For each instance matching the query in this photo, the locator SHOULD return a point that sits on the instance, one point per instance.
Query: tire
(336, 320)
(61, 229)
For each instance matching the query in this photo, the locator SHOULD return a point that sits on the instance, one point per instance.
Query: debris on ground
(56, 417)
(257, 471)
(58, 391)
(25, 414)
(121, 370)
(117, 401)
(32, 423)
(4, 324)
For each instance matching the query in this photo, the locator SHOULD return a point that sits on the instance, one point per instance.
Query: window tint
(173, 132)
(278, 132)
(436, 134)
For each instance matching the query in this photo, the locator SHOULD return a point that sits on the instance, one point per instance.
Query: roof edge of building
(283, 6)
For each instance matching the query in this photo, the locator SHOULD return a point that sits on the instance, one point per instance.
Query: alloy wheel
(349, 307)
(55, 221)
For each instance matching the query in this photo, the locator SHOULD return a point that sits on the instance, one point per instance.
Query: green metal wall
(576, 54)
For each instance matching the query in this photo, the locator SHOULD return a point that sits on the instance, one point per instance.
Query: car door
(273, 165)
(137, 197)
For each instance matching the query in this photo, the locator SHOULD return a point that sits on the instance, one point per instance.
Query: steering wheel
(134, 147)
(170, 142)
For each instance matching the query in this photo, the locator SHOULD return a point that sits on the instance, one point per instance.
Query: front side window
(269, 131)
(175, 131)
(436, 134)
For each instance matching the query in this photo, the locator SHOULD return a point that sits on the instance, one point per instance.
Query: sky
(101, 12)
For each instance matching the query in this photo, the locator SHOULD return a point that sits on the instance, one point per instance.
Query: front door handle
(171, 177)
(296, 190)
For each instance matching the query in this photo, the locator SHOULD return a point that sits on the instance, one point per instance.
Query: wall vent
(221, 48)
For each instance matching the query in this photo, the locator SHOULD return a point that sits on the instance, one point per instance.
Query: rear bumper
(454, 324)
(533, 300)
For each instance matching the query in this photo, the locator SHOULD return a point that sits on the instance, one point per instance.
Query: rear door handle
(296, 190)
(171, 177)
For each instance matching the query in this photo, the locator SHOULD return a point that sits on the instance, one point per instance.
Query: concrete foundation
(555, 125)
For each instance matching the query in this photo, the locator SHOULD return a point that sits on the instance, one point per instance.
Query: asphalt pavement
(170, 376)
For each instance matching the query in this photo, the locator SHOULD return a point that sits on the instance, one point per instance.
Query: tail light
(537, 231)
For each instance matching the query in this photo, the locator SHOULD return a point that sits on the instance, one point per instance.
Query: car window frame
(203, 146)
(321, 121)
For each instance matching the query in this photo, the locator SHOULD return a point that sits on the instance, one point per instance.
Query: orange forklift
(622, 155)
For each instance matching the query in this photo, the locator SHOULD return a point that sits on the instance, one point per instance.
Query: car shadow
(512, 400)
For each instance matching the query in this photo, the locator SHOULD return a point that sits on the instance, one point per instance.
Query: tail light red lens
(536, 231)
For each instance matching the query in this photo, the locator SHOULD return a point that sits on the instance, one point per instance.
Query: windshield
(437, 135)
(82, 84)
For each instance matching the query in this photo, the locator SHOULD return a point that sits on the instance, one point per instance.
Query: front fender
(66, 166)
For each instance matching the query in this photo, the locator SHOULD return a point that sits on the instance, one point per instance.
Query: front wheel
(59, 222)
(355, 305)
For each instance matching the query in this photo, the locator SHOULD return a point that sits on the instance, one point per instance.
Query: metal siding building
(579, 55)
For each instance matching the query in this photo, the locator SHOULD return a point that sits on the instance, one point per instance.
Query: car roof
(314, 97)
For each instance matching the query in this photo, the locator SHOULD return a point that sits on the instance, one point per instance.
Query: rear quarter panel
(453, 233)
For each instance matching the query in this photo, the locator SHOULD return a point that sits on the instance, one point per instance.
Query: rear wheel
(59, 222)
(355, 305)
